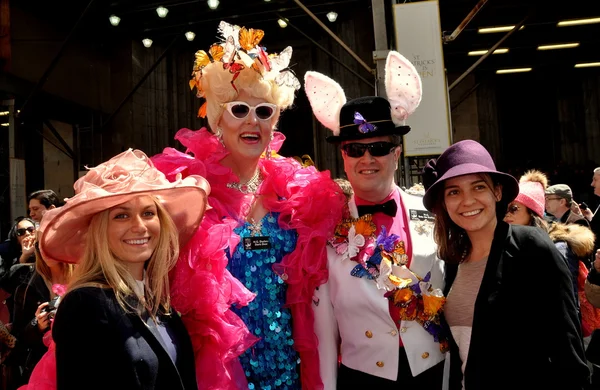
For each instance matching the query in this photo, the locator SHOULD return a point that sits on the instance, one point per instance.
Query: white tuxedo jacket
(352, 316)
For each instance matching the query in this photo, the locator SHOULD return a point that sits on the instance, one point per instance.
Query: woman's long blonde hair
(44, 271)
(100, 268)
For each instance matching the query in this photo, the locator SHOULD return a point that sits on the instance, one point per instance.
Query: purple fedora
(464, 158)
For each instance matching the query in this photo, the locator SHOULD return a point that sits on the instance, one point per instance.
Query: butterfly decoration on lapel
(393, 249)
(363, 126)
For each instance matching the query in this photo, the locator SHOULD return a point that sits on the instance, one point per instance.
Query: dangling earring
(268, 151)
(219, 135)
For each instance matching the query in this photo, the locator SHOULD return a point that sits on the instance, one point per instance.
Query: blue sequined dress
(272, 363)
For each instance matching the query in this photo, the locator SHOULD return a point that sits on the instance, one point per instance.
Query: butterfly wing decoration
(288, 78)
(216, 51)
(227, 30)
(245, 58)
(250, 38)
(228, 52)
(363, 126)
(360, 272)
(202, 59)
(264, 59)
(282, 60)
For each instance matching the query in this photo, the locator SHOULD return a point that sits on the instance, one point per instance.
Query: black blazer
(99, 346)
(526, 330)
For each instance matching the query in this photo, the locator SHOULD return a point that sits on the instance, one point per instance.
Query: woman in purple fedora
(510, 307)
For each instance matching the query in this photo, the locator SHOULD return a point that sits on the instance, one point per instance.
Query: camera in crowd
(52, 306)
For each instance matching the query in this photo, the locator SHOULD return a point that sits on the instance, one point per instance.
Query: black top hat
(366, 117)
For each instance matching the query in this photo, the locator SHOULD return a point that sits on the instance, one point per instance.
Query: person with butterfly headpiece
(248, 279)
(380, 308)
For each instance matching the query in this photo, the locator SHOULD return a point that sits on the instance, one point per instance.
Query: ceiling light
(332, 16)
(587, 64)
(162, 11)
(482, 52)
(114, 20)
(147, 42)
(514, 70)
(190, 35)
(282, 23)
(4, 124)
(576, 22)
(558, 46)
(267, 1)
(3, 113)
(213, 4)
(497, 29)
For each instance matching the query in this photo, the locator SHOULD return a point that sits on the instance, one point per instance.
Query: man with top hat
(377, 317)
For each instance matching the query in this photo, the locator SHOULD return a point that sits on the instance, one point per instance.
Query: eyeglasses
(376, 149)
(547, 199)
(240, 110)
(513, 209)
(22, 231)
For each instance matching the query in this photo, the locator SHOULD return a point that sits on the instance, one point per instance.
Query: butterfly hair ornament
(239, 50)
(368, 116)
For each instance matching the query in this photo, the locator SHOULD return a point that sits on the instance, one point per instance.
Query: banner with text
(419, 38)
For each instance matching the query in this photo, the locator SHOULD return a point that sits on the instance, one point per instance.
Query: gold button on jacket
(369, 334)
(425, 355)
(380, 364)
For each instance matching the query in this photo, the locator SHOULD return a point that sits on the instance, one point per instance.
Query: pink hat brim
(63, 230)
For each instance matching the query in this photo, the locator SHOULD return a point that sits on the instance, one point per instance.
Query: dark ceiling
(139, 20)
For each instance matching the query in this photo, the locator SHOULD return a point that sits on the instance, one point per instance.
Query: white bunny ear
(402, 86)
(326, 99)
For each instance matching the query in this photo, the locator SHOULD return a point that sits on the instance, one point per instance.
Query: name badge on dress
(421, 215)
(256, 243)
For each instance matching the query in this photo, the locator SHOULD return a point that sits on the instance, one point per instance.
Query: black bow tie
(390, 208)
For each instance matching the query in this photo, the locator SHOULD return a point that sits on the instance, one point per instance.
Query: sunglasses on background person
(513, 209)
(376, 149)
(22, 231)
(240, 110)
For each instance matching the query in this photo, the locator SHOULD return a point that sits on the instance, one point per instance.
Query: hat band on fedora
(355, 124)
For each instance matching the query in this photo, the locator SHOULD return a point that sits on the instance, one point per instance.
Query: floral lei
(383, 258)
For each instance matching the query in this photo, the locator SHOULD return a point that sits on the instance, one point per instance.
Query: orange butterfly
(215, 53)
(250, 38)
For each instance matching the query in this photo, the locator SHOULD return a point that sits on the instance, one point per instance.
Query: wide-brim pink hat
(63, 230)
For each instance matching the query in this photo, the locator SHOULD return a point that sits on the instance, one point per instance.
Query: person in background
(381, 260)
(41, 201)
(267, 228)
(17, 249)
(575, 242)
(115, 327)
(510, 306)
(35, 302)
(559, 203)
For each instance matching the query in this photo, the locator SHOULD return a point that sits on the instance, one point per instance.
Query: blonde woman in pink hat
(115, 327)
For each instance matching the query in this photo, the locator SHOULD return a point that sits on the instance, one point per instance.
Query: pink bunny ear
(326, 99)
(402, 86)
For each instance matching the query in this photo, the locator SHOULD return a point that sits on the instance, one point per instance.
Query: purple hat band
(464, 158)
